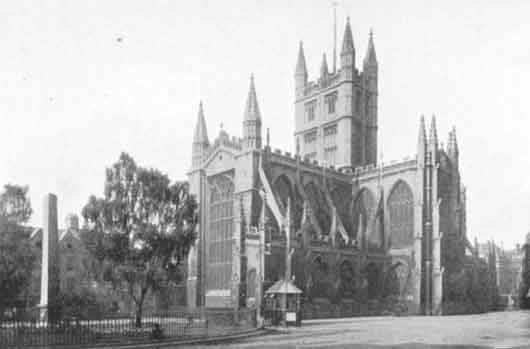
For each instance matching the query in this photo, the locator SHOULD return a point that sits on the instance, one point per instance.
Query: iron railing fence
(26, 330)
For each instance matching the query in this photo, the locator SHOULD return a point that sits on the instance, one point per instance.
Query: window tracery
(401, 215)
(221, 222)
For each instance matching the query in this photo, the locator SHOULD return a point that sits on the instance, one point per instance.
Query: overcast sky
(81, 81)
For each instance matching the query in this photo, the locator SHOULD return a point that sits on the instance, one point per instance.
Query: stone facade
(361, 232)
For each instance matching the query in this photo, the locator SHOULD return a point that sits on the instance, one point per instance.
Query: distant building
(505, 267)
(524, 285)
(73, 259)
(76, 279)
(510, 272)
(362, 231)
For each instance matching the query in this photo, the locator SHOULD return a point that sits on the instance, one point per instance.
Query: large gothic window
(401, 215)
(221, 226)
(364, 210)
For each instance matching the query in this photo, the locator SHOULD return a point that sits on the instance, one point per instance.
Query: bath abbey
(357, 232)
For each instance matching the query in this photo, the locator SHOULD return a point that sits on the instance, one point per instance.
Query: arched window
(373, 276)
(341, 197)
(219, 234)
(363, 208)
(319, 285)
(397, 280)
(401, 215)
(319, 206)
(284, 189)
(347, 279)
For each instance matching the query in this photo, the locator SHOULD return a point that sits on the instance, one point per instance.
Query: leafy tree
(141, 230)
(15, 207)
(16, 256)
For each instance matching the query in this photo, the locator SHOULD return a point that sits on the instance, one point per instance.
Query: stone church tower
(336, 115)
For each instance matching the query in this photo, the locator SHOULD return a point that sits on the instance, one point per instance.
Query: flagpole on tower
(334, 4)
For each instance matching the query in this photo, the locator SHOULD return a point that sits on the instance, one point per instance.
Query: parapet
(306, 162)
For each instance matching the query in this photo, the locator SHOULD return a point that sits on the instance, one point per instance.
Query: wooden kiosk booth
(282, 304)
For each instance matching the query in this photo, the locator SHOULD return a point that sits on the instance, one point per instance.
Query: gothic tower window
(220, 231)
(310, 147)
(310, 108)
(331, 102)
(401, 214)
(330, 145)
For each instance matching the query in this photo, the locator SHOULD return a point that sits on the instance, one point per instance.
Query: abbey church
(362, 233)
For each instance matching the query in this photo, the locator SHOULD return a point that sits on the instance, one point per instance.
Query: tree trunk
(138, 315)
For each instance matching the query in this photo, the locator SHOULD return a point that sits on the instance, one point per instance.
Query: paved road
(492, 330)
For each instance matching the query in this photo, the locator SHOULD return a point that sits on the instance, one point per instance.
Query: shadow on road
(371, 346)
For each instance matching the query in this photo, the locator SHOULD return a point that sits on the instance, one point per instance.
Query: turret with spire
(200, 139)
(452, 147)
(370, 66)
(347, 53)
(300, 75)
(252, 120)
(324, 71)
(369, 81)
(422, 141)
(433, 141)
(370, 60)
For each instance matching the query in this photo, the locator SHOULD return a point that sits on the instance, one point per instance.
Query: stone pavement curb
(166, 344)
